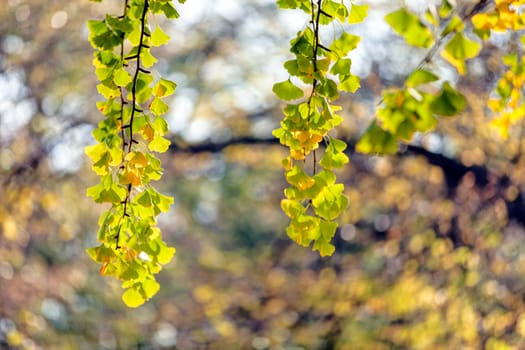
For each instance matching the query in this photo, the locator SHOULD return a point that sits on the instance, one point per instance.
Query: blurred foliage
(430, 254)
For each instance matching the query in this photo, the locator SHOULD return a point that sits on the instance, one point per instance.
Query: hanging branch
(131, 246)
(314, 200)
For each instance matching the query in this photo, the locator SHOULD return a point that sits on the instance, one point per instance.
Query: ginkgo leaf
(147, 59)
(357, 13)
(164, 87)
(445, 9)
(158, 37)
(165, 254)
(350, 83)
(287, 4)
(456, 24)
(292, 208)
(121, 77)
(459, 49)
(297, 177)
(326, 232)
(419, 77)
(133, 298)
(286, 90)
(301, 229)
(101, 254)
(332, 160)
(158, 107)
(168, 10)
(410, 27)
(462, 47)
(330, 202)
(150, 288)
(345, 43)
(449, 102)
(342, 67)
(324, 247)
(163, 202)
(159, 144)
(119, 24)
(377, 140)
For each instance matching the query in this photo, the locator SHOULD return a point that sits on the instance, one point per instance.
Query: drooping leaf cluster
(318, 73)
(131, 246)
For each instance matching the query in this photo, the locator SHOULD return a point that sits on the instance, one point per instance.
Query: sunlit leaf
(158, 107)
(150, 288)
(101, 254)
(344, 44)
(158, 37)
(165, 254)
(164, 87)
(297, 177)
(459, 49)
(286, 90)
(159, 144)
(121, 77)
(350, 83)
(357, 13)
(292, 208)
(342, 67)
(133, 298)
(410, 27)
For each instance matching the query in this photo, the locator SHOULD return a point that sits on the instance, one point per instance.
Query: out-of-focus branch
(215, 147)
(453, 169)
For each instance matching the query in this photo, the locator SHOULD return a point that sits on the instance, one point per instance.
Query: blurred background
(430, 253)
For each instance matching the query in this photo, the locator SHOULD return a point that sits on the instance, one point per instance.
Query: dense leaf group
(131, 247)
(314, 200)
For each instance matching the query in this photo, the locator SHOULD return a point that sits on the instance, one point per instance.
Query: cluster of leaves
(314, 199)
(408, 109)
(131, 248)
(509, 104)
(416, 105)
(404, 111)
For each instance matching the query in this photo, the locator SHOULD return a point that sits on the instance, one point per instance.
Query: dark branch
(453, 169)
(215, 147)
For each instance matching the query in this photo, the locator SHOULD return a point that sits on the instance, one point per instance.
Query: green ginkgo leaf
(121, 77)
(350, 83)
(410, 27)
(159, 37)
(461, 47)
(164, 87)
(449, 102)
(159, 144)
(377, 140)
(419, 77)
(158, 107)
(287, 91)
